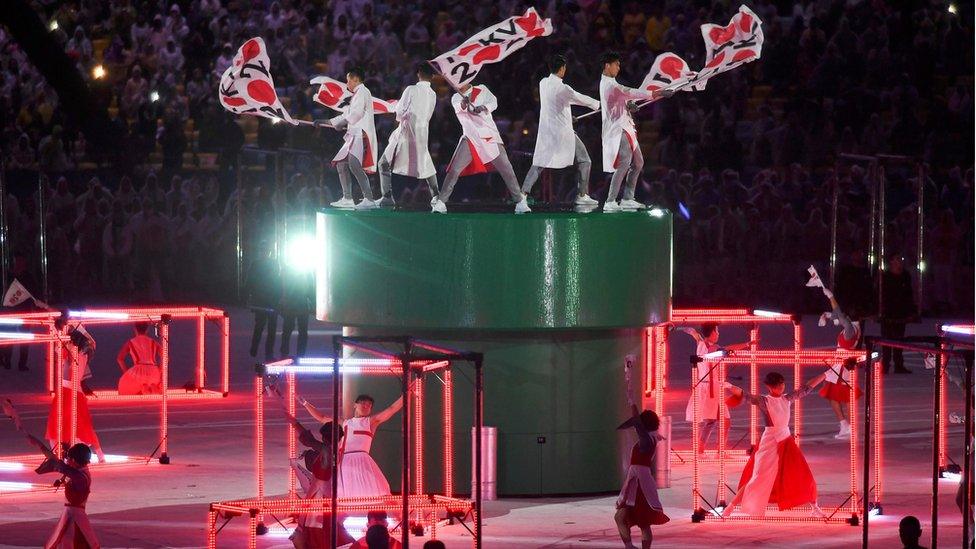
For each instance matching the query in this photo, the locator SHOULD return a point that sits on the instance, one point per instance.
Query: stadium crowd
(748, 165)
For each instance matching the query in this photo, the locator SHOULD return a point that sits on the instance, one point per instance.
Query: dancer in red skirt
(143, 377)
(837, 386)
(638, 503)
(73, 531)
(80, 347)
(776, 472)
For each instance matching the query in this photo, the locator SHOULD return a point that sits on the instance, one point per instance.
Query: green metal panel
(484, 271)
(566, 386)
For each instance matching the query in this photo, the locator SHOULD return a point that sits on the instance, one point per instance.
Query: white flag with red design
(669, 71)
(727, 47)
(335, 95)
(247, 87)
(460, 65)
(16, 294)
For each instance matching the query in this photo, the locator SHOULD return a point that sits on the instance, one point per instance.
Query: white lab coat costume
(617, 120)
(479, 129)
(407, 150)
(555, 142)
(360, 138)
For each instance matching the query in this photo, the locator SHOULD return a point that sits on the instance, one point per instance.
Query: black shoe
(902, 370)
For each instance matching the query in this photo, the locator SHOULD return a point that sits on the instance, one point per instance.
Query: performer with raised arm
(638, 503)
(73, 528)
(357, 156)
(621, 152)
(776, 471)
(556, 144)
(407, 153)
(480, 146)
(359, 475)
(706, 388)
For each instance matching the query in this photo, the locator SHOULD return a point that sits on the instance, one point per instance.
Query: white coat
(480, 129)
(360, 138)
(407, 150)
(617, 120)
(555, 142)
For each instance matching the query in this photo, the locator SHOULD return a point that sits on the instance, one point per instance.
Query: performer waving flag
(480, 146)
(357, 156)
(406, 153)
(461, 65)
(246, 87)
(621, 151)
(728, 47)
(556, 144)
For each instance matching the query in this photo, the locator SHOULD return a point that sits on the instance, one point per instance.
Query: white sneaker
(816, 511)
(845, 431)
(522, 206)
(585, 200)
(367, 204)
(433, 200)
(344, 203)
(630, 205)
(386, 202)
(439, 206)
(610, 207)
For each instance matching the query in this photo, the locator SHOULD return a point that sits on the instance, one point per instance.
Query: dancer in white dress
(359, 475)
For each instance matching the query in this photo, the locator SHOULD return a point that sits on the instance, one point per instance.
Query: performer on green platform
(556, 144)
(357, 156)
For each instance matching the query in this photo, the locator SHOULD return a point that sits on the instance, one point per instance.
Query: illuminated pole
(448, 433)
(41, 237)
(479, 420)
(201, 351)
(405, 464)
(164, 367)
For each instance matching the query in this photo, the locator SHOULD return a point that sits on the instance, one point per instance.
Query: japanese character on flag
(247, 87)
(668, 71)
(16, 294)
(727, 47)
(461, 64)
(335, 95)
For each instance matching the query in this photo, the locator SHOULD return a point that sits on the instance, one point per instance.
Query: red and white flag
(335, 95)
(460, 65)
(247, 87)
(668, 71)
(727, 47)
(16, 294)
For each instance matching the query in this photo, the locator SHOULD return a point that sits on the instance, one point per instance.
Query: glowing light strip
(27, 336)
(31, 461)
(769, 314)
(878, 419)
(852, 419)
(225, 355)
(708, 312)
(695, 428)
(8, 486)
(448, 427)
(103, 315)
(323, 370)
(327, 360)
(292, 434)
(418, 435)
(754, 387)
(961, 329)
(201, 350)
(109, 395)
(714, 355)
(11, 321)
(7, 466)
(164, 401)
(797, 381)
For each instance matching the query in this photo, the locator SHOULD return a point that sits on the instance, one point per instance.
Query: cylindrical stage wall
(554, 300)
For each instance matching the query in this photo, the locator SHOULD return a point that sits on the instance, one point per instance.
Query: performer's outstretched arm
(386, 414)
(314, 412)
(692, 332)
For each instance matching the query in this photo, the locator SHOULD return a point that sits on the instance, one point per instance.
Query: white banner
(335, 95)
(460, 65)
(16, 294)
(247, 87)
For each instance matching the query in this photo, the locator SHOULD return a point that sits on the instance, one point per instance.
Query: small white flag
(814, 281)
(16, 294)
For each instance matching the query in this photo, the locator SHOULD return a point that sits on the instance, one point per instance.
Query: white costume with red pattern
(360, 138)
(359, 475)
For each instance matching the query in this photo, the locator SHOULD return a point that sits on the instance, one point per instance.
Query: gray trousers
(583, 164)
(461, 159)
(348, 167)
(629, 163)
(386, 179)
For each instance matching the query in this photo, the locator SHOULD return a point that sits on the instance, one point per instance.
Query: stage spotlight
(301, 253)
(656, 212)
(153, 96)
(98, 72)
(53, 25)
(953, 9)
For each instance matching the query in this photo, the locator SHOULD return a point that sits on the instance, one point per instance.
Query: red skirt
(838, 392)
(643, 515)
(794, 484)
(86, 430)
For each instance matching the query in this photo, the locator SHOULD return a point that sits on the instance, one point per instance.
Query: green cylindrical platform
(554, 300)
